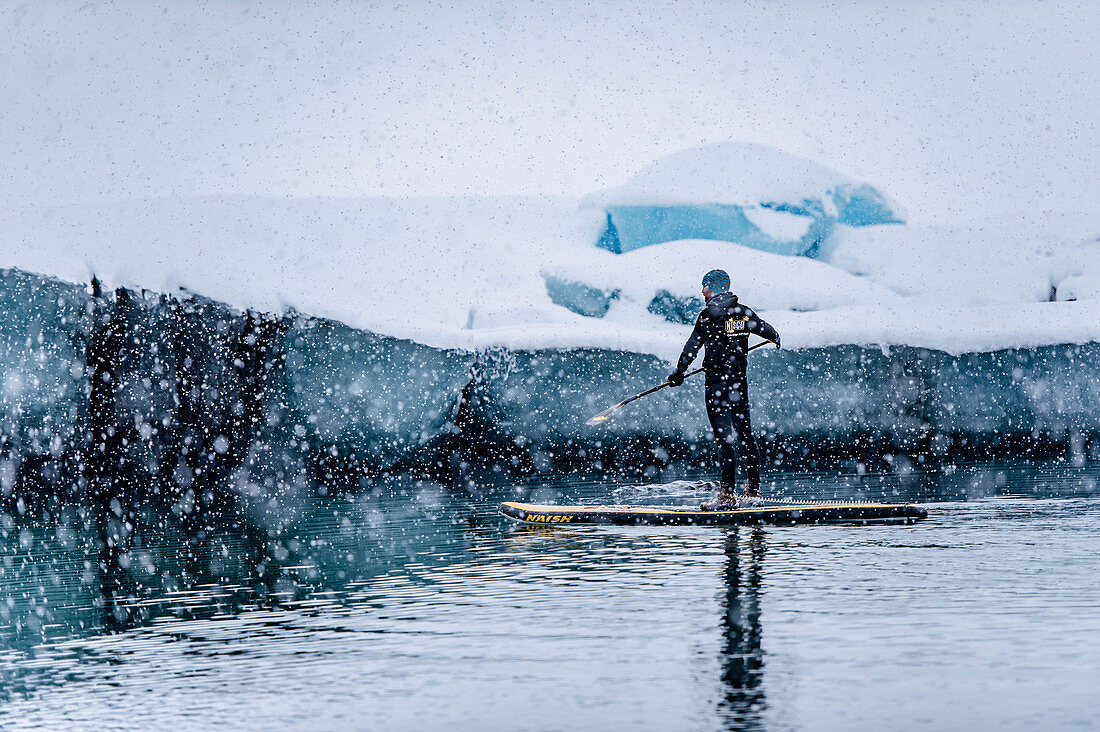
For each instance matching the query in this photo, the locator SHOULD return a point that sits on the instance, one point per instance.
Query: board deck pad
(769, 512)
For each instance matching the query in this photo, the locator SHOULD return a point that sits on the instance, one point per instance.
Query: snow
(740, 174)
(931, 324)
(767, 281)
(962, 266)
(424, 174)
(1080, 287)
(738, 192)
(470, 273)
(410, 268)
(1078, 274)
(779, 225)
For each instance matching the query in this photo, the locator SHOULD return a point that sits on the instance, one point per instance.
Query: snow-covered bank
(470, 273)
(419, 268)
(206, 400)
(282, 341)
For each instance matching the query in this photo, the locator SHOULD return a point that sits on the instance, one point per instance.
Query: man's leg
(746, 441)
(722, 423)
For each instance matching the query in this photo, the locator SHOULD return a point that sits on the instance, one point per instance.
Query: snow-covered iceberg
(664, 279)
(524, 273)
(195, 401)
(967, 266)
(42, 382)
(737, 192)
(239, 348)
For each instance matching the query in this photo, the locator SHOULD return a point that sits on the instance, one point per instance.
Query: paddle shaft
(608, 412)
(689, 373)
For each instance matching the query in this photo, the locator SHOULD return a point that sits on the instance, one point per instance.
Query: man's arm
(691, 348)
(757, 325)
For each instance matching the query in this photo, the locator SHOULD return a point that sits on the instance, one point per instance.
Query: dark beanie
(716, 281)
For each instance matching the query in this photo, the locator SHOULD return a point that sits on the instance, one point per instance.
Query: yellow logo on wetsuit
(737, 326)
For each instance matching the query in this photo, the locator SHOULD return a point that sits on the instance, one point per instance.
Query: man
(723, 327)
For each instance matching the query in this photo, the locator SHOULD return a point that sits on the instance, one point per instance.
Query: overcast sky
(959, 110)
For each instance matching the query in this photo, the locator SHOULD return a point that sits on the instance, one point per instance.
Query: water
(416, 606)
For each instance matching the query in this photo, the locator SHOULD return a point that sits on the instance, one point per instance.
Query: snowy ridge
(969, 330)
(722, 173)
(411, 268)
(726, 173)
(470, 272)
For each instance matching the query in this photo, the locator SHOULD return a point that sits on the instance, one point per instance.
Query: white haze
(961, 111)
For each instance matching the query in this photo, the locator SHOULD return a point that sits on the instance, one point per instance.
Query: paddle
(607, 413)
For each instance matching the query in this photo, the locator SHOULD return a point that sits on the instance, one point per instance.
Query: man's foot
(751, 497)
(724, 500)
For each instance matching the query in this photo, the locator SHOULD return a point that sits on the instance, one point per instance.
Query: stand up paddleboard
(770, 512)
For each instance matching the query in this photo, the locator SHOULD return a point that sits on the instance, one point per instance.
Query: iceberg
(225, 351)
(863, 205)
(737, 192)
(42, 378)
(524, 274)
(634, 227)
(369, 399)
(664, 280)
(675, 309)
(591, 302)
(965, 266)
(140, 397)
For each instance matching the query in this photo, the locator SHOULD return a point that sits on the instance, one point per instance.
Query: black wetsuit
(723, 327)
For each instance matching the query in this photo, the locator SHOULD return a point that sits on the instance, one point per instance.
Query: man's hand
(676, 378)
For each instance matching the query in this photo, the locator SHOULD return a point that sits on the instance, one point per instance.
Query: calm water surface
(416, 606)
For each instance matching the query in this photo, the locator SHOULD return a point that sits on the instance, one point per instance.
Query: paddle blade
(604, 415)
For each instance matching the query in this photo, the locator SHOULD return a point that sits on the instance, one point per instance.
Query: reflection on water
(743, 702)
(414, 605)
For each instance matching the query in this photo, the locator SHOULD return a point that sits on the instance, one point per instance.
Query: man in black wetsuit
(723, 327)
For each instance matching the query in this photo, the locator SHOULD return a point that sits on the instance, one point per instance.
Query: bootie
(724, 500)
(751, 498)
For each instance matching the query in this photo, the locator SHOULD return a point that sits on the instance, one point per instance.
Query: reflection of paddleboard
(770, 512)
